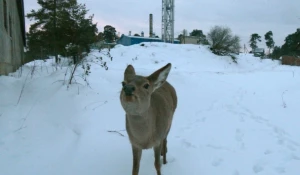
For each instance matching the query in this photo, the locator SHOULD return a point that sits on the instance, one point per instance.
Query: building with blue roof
(131, 40)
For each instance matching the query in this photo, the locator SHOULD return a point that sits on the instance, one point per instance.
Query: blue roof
(130, 40)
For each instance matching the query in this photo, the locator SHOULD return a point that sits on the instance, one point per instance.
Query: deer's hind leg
(164, 150)
(157, 152)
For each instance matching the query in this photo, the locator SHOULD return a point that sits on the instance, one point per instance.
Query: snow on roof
(258, 50)
(142, 37)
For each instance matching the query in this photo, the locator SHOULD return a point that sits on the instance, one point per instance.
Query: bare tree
(223, 42)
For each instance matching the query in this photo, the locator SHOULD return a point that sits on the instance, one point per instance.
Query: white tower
(167, 32)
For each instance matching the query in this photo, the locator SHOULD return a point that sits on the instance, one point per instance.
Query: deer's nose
(128, 89)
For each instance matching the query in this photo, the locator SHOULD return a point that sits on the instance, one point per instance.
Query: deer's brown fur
(149, 103)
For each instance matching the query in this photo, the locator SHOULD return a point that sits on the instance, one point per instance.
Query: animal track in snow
(187, 144)
(295, 157)
(186, 128)
(213, 105)
(257, 168)
(239, 137)
(203, 119)
(1, 143)
(280, 170)
(216, 162)
(236, 172)
(292, 148)
(242, 119)
(279, 133)
(219, 147)
(267, 152)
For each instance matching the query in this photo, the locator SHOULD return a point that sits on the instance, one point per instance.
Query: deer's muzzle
(128, 89)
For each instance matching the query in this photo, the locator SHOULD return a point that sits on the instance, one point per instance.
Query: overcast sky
(244, 17)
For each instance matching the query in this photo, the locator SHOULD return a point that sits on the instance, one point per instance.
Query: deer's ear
(159, 77)
(129, 72)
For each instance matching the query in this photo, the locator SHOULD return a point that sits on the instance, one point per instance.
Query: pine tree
(269, 40)
(202, 38)
(292, 44)
(109, 34)
(196, 32)
(253, 40)
(276, 52)
(60, 28)
(100, 36)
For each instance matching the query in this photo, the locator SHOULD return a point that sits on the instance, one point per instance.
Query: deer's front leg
(157, 152)
(137, 154)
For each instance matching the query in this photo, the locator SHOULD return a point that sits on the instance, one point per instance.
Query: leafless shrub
(223, 42)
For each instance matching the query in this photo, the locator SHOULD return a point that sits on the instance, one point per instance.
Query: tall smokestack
(150, 25)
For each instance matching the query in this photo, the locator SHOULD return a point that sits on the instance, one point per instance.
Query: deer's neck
(141, 128)
(144, 119)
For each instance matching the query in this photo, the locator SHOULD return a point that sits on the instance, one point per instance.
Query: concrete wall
(189, 40)
(11, 39)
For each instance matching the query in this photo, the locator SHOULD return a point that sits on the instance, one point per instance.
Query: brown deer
(149, 103)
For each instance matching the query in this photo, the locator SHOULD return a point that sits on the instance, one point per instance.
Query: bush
(223, 42)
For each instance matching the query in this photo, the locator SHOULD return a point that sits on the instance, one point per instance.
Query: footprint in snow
(279, 131)
(292, 148)
(203, 119)
(216, 162)
(295, 157)
(236, 172)
(239, 135)
(186, 128)
(267, 152)
(280, 170)
(170, 159)
(280, 141)
(242, 119)
(257, 168)
(187, 144)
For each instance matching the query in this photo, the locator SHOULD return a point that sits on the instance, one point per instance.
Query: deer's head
(137, 90)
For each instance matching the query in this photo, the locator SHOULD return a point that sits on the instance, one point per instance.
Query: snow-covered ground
(232, 119)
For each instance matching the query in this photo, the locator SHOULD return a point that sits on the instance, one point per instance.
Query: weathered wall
(189, 40)
(290, 60)
(11, 41)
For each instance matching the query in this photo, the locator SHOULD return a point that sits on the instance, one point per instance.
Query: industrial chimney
(150, 25)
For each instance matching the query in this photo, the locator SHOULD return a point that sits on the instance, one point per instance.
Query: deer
(149, 103)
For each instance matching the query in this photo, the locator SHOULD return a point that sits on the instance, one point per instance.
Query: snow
(236, 119)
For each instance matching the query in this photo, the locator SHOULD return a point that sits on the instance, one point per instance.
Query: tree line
(290, 47)
(62, 27)
(220, 39)
(223, 42)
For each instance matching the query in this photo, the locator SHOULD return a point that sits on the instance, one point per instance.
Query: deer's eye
(146, 86)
